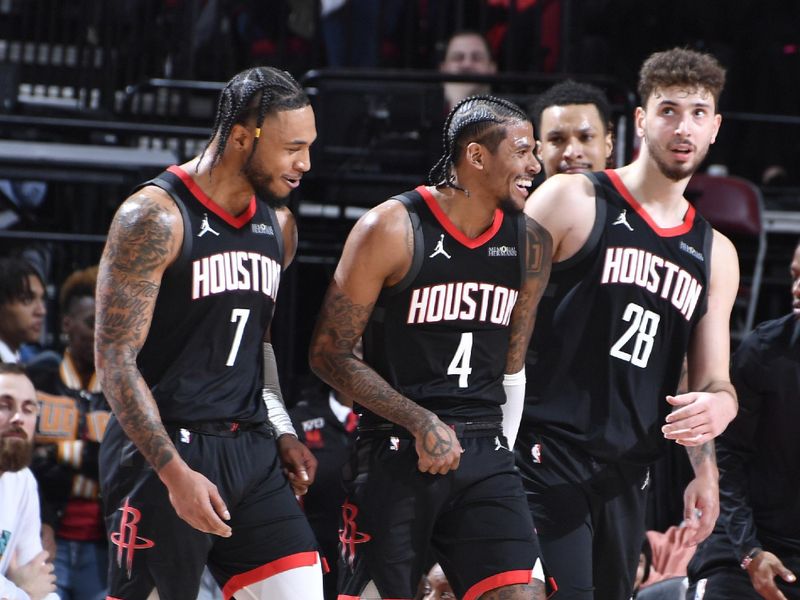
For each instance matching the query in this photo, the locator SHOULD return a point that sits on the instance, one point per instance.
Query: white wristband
(271, 394)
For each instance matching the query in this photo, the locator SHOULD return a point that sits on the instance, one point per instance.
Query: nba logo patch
(186, 436)
(394, 443)
(536, 453)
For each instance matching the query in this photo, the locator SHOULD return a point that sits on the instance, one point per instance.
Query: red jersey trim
(445, 222)
(496, 581)
(287, 563)
(346, 597)
(688, 218)
(237, 222)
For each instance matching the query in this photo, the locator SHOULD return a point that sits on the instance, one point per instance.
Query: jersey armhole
(276, 227)
(409, 200)
(166, 181)
(708, 246)
(600, 208)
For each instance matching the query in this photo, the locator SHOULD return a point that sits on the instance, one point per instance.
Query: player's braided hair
(253, 93)
(479, 119)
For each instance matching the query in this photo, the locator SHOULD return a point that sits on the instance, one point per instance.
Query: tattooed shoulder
(145, 234)
(539, 247)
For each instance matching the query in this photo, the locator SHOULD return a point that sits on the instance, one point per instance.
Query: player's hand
(763, 570)
(299, 463)
(699, 417)
(36, 577)
(437, 447)
(195, 498)
(700, 508)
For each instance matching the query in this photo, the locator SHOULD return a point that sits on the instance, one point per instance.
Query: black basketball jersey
(440, 336)
(613, 327)
(203, 355)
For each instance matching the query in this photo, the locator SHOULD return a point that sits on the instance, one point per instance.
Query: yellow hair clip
(258, 132)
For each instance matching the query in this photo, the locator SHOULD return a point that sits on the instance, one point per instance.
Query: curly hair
(79, 284)
(681, 67)
(253, 94)
(480, 119)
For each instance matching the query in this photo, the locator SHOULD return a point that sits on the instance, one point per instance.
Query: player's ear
(241, 137)
(474, 155)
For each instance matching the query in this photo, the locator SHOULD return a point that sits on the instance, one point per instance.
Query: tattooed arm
(538, 260)
(144, 239)
(704, 413)
(377, 254)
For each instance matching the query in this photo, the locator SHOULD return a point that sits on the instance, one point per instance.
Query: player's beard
(507, 204)
(261, 183)
(15, 453)
(676, 172)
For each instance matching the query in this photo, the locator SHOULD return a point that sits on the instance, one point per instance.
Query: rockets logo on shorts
(126, 539)
(349, 535)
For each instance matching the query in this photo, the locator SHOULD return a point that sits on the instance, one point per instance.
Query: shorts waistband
(222, 428)
(462, 429)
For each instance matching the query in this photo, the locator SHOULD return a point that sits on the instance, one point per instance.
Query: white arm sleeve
(273, 399)
(514, 386)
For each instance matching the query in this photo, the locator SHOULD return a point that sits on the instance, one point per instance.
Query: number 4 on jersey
(460, 363)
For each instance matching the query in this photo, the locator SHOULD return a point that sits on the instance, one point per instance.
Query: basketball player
(641, 279)
(442, 282)
(191, 465)
(572, 119)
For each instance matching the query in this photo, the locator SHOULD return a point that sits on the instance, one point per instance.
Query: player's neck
(659, 195)
(229, 190)
(469, 215)
(649, 185)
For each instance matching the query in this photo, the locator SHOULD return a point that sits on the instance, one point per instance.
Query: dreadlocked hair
(480, 119)
(253, 94)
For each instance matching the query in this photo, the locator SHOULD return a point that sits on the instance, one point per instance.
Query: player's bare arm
(705, 413)
(538, 260)
(564, 206)
(711, 404)
(377, 254)
(299, 463)
(144, 239)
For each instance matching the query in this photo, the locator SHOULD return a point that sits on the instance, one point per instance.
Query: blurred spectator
(22, 307)
(327, 425)
(354, 29)
(25, 573)
(754, 550)
(74, 415)
(664, 556)
(467, 52)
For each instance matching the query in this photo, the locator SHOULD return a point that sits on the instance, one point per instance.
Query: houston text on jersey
(235, 270)
(462, 301)
(655, 274)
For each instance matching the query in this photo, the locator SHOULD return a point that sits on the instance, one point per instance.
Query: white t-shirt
(20, 527)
